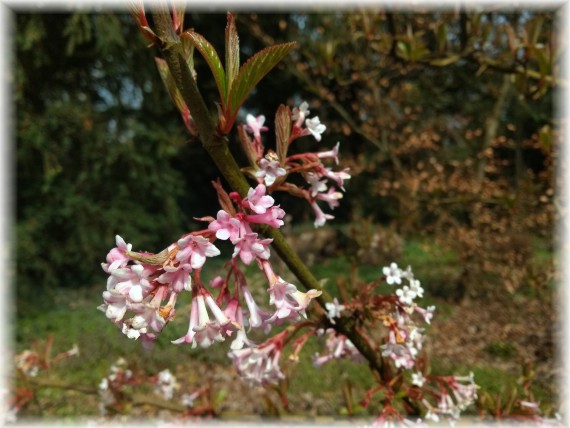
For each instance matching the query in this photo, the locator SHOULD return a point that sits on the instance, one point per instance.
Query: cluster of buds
(142, 288)
(272, 168)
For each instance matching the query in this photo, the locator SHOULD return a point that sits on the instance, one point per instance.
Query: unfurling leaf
(282, 132)
(213, 60)
(232, 51)
(247, 146)
(175, 94)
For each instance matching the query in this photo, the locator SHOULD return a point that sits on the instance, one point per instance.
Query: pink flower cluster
(338, 346)
(142, 288)
(272, 170)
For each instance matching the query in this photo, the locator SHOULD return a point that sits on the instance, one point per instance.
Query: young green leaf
(213, 60)
(251, 73)
(174, 93)
(232, 51)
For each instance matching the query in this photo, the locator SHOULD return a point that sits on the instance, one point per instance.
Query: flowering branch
(216, 146)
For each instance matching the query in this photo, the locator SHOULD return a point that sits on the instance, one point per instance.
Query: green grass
(71, 316)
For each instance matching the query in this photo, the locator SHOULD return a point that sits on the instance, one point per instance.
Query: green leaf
(173, 91)
(213, 60)
(232, 51)
(252, 72)
(403, 50)
(441, 37)
(168, 81)
(442, 62)
(282, 132)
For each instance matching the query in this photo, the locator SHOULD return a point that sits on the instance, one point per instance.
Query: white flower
(393, 274)
(299, 114)
(315, 127)
(418, 379)
(416, 287)
(333, 310)
(406, 295)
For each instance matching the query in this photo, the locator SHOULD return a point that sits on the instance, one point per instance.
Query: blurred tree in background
(446, 120)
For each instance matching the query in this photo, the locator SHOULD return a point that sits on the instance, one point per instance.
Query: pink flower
(195, 249)
(338, 346)
(270, 170)
(225, 226)
(258, 201)
(209, 331)
(131, 281)
(255, 125)
(426, 313)
(272, 217)
(331, 197)
(320, 217)
(290, 302)
(400, 354)
(235, 313)
(250, 247)
(258, 365)
(258, 318)
(316, 184)
(338, 176)
(115, 305)
(178, 277)
(117, 257)
(202, 331)
(333, 153)
(189, 336)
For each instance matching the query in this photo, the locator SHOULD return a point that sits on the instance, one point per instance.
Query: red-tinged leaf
(175, 94)
(223, 198)
(282, 132)
(232, 51)
(247, 146)
(213, 60)
(188, 54)
(207, 218)
(252, 72)
(178, 15)
(137, 11)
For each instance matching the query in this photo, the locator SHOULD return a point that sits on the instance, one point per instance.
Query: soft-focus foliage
(97, 147)
(449, 118)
